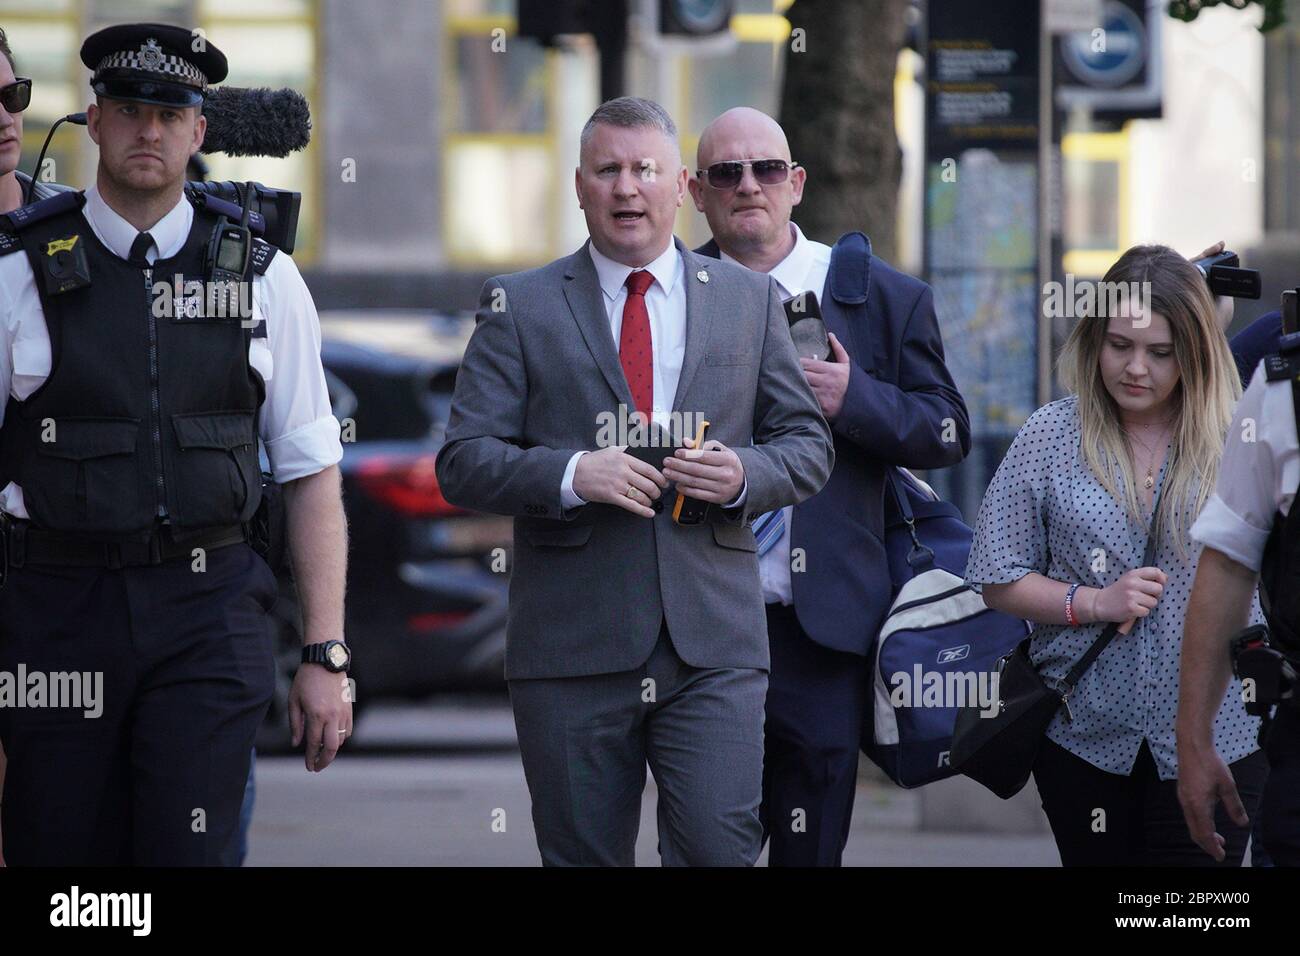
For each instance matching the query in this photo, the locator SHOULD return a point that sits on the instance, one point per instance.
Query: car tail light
(435, 621)
(407, 484)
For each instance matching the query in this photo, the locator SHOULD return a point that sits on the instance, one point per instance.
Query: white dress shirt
(802, 270)
(665, 303)
(1257, 476)
(298, 428)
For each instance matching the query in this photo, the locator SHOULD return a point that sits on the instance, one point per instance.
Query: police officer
(15, 96)
(1255, 494)
(129, 476)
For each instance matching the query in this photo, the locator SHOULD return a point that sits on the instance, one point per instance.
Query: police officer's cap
(152, 63)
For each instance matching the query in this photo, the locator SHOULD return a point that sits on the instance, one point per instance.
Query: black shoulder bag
(999, 751)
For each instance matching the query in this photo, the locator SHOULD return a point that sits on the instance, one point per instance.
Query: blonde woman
(1059, 540)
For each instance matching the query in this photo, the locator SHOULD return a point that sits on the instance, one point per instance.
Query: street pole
(609, 26)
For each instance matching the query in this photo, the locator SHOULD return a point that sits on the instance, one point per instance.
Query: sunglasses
(767, 172)
(15, 97)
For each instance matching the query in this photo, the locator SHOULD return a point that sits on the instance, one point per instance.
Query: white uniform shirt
(297, 426)
(804, 269)
(1258, 474)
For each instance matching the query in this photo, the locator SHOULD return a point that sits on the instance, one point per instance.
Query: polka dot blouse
(1045, 512)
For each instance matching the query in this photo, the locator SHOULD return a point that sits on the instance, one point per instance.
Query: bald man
(890, 401)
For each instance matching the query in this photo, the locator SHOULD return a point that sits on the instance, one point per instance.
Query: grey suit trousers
(586, 741)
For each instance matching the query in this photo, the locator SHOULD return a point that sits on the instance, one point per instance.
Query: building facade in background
(443, 145)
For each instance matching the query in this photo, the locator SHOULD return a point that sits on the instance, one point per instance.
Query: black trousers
(187, 675)
(1280, 830)
(816, 701)
(1104, 819)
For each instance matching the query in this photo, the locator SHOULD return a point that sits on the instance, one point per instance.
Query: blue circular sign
(1111, 55)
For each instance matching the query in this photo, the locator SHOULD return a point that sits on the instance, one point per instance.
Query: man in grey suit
(633, 638)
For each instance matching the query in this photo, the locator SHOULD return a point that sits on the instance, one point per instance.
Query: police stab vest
(150, 410)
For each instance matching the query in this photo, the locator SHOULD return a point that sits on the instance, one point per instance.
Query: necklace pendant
(1150, 482)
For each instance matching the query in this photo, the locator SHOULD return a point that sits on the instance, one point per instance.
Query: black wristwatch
(332, 655)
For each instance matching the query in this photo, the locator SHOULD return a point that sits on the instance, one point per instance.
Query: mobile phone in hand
(689, 510)
(807, 328)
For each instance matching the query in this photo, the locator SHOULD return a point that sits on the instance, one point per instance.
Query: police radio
(229, 251)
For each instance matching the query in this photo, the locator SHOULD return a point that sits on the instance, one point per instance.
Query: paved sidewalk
(438, 807)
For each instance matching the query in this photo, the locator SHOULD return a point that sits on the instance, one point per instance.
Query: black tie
(140, 249)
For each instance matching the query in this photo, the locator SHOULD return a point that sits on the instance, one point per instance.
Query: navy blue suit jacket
(900, 406)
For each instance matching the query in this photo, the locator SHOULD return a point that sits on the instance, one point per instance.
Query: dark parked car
(426, 600)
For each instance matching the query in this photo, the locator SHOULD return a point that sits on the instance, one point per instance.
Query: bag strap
(900, 495)
(849, 280)
(850, 271)
(1107, 635)
(920, 555)
(1295, 404)
(848, 283)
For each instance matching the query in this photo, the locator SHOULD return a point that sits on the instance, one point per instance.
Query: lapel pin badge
(702, 275)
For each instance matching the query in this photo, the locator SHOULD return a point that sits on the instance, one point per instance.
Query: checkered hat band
(167, 67)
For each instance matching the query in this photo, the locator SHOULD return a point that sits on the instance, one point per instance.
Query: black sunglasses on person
(727, 175)
(16, 96)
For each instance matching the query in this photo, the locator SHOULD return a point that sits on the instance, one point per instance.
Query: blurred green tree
(1188, 10)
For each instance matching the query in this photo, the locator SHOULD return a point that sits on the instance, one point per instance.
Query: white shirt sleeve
(24, 349)
(28, 341)
(740, 498)
(1237, 518)
(568, 497)
(296, 423)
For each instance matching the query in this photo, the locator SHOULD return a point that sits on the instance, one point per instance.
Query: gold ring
(630, 491)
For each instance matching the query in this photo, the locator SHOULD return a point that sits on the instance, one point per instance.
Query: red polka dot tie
(635, 348)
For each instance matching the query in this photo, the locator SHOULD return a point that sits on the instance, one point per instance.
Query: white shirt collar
(612, 275)
(792, 271)
(169, 233)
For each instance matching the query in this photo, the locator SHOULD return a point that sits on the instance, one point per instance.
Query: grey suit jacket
(590, 587)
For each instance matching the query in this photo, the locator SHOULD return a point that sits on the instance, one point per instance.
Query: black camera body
(1271, 674)
(274, 211)
(1226, 277)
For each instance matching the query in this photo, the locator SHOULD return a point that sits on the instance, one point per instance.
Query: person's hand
(712, 473)
(611, 477)
(829, 380)
(1203, 780)
(1224, 305)
(1213, 250)
(1131, 597)
(321, 699)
